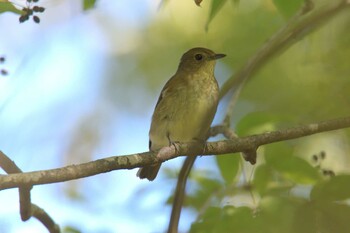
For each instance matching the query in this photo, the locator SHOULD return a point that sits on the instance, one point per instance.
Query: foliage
(6, 6)
(287, 191)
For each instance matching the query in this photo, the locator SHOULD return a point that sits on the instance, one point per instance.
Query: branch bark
(27, 208)
(131, 161)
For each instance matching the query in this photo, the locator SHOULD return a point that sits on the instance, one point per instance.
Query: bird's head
(199, 59)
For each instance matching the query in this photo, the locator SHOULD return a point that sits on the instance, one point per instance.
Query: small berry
(23, 18)
(4, 72)
(36, 19)
(38, 9)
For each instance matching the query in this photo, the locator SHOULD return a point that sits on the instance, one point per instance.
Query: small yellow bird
(186, 105)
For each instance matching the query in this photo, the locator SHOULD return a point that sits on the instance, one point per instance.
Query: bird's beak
(217, 56)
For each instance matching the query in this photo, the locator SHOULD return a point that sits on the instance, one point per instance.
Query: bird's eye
(198, 57)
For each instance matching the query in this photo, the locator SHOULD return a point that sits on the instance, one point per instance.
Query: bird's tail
(149, 172)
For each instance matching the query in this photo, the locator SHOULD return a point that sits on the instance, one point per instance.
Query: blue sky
(55, 89)
(54, 84)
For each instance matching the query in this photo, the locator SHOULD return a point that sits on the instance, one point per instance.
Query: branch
(141, 159)
(300, 25)
(27, 208)
(187, 165)
(296, 29)
(179, 194)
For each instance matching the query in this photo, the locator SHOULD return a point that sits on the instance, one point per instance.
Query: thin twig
(27, 209)
(295, 29)
(180, 194)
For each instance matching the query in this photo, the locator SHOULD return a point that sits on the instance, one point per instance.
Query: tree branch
(300, 25)
(141, 159)
(295, 29)
(27, 208)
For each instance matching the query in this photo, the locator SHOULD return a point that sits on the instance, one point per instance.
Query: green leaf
(89, 4)
(208, 221)
(277, 151)
(70, 229)
(279, 156)
(335, 189)
(216, 5)
(8, 7)
(322, 216)
(228, 165)
(226, 219)
(262, 177)
(256, 122)
(238, 219)
(281, 208)
(205, 190)
(288, 7)
(235, 2)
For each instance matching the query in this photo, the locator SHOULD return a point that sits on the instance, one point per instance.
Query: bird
(186, 106)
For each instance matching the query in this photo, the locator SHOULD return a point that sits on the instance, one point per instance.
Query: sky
(53, 83)
(56, 109)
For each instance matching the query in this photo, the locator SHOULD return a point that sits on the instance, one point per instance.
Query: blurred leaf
(335, 189)
(288, 7)
(228, 165)
(325, 217)
(281, 208)
(8, 7)
(214, 9)
(262, 177)
(279, 156)
(305, 219)
(256, 122)
(238, 219)
(277, 151)
(208, 220)
(89, 4)
(236, 2)
(227, 219)
(334, 217)
(70, 229)
(206, 189)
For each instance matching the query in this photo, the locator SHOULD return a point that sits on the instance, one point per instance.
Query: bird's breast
(186, 112)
